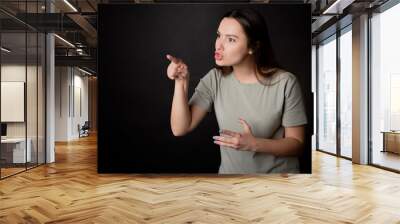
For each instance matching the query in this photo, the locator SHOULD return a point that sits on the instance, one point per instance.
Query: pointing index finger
(173, 59)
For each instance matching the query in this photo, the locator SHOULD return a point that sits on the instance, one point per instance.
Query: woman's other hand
(240, 141)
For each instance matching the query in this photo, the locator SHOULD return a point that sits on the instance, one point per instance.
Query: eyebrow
(229, 35)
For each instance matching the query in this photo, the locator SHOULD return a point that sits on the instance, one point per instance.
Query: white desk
(18, 150)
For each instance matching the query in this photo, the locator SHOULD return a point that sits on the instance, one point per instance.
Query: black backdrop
(135, 95)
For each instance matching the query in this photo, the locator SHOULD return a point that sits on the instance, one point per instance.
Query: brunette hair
(256, 31)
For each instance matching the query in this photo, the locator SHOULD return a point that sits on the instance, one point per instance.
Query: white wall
(70, 94)
(62, 78)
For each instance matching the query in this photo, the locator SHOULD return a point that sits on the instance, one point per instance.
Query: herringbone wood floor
(71, 191)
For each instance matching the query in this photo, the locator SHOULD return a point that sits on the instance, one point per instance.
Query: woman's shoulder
(214, 72)
(289, 83)
(212, 78)
(213, 75)
(282, 76)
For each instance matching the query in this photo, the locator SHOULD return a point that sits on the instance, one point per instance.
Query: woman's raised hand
(177, 69)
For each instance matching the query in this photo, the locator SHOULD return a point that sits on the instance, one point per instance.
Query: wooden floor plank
(71, 191)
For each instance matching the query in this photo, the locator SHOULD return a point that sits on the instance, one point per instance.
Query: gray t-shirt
(266, 108)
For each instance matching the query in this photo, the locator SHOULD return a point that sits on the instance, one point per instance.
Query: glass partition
(22, 88)
(327, 96)
(14, 154)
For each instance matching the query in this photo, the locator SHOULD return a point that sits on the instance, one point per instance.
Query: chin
(220, 63)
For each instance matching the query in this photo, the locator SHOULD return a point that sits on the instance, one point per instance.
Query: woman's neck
(245, 72)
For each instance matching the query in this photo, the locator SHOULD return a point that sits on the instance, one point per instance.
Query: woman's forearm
(278, 147)
(180, 112)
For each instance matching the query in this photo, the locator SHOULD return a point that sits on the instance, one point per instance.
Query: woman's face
(231, 43)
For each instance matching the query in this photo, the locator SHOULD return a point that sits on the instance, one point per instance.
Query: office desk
(13, 150)
(391, 141)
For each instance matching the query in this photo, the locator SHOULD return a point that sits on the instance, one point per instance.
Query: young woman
(259, 107)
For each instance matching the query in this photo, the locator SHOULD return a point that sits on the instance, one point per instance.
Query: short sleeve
(204, 94)
(294, 112)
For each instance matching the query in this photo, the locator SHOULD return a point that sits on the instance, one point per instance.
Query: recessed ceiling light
(5, 50)
(338, 6)
(70, 5)
(64, 40)
(84, 71)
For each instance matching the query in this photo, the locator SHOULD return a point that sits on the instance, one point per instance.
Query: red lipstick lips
(217, 56)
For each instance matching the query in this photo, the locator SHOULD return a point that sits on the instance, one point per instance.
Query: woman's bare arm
(184, 118)
(291, 145)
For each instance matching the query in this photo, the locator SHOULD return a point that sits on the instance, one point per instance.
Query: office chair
(84, 130)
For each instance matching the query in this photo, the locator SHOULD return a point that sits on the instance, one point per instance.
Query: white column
(50, 92)
(360, 90)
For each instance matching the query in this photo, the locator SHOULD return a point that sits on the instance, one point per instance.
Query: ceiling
(76, 22)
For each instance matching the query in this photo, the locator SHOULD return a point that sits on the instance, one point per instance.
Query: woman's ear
(255, 48)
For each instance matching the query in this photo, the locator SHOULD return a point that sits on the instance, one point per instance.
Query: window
(327, 96)
(346, 93)
(385, 87)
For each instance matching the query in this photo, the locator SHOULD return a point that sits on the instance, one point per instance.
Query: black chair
(84, 130)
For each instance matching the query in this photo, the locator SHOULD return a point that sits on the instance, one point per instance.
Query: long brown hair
(256, 31)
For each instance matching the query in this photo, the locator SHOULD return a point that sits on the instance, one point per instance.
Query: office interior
(49, 86)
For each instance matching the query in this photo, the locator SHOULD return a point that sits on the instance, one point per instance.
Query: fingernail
(215, 137)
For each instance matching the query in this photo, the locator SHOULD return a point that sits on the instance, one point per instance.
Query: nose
(218, 44)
